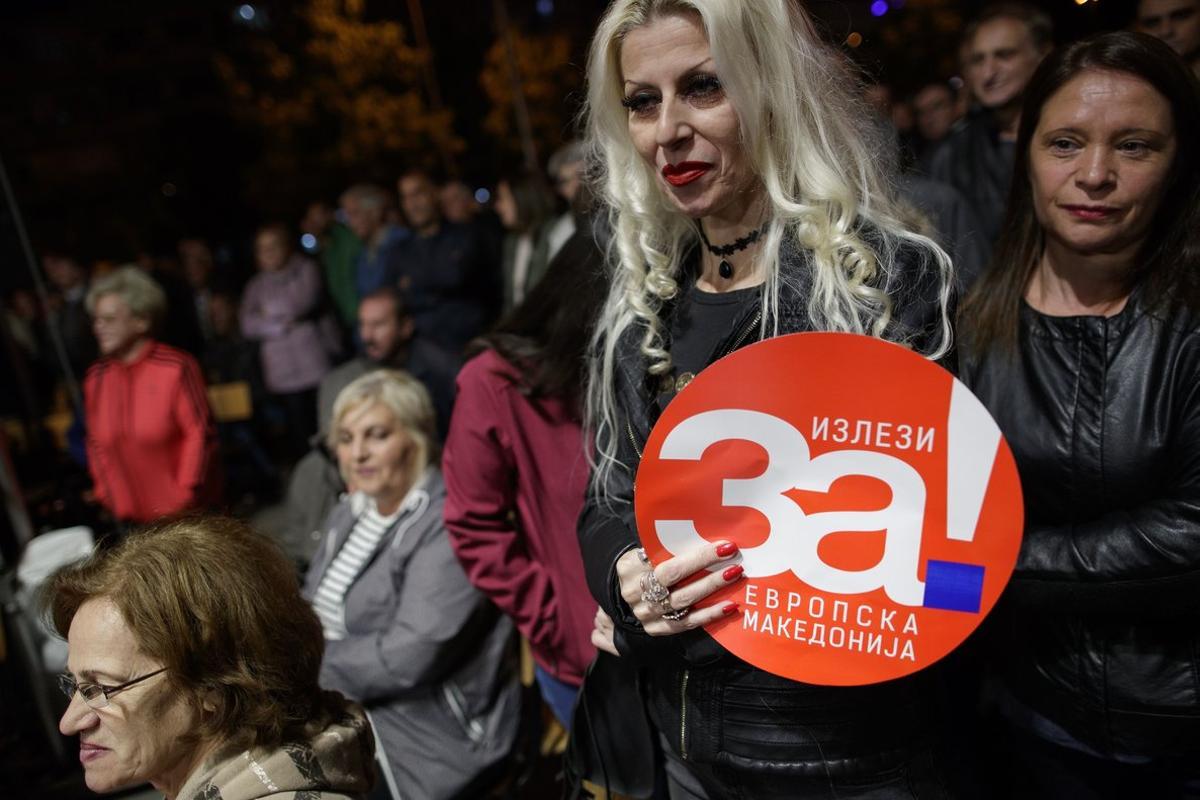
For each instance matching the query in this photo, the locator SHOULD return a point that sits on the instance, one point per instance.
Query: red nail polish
(733, 572)
(726, 549)
(730, 609)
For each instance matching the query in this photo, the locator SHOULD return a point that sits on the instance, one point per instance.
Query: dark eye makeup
(640, 101)
(700, 88)
(701, 85)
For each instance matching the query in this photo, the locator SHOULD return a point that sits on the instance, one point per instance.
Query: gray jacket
(428, 655)
(314, 490)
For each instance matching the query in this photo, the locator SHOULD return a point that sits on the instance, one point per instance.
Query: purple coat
(279, 310)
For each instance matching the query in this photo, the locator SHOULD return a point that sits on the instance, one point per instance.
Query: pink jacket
(279, 309)
(515, 473)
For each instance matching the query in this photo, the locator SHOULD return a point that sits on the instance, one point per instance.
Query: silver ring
(652, 589)
(675, 616)
(645, 559)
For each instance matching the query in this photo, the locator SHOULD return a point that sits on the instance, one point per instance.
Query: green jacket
(339, 254)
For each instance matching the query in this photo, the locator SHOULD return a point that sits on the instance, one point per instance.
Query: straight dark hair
(532, 196)
(1167, 270)
(546, 336)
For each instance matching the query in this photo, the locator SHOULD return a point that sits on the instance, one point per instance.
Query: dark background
(125, 126)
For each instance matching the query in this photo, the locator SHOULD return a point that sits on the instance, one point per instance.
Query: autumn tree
(333, 90)
(549, 82)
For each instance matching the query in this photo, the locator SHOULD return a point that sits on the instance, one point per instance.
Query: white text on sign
(794, 539)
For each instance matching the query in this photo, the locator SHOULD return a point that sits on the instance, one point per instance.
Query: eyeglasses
(96, 695)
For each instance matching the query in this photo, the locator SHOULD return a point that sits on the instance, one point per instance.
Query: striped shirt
(329, 601)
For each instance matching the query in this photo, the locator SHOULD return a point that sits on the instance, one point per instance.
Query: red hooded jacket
(151, 440)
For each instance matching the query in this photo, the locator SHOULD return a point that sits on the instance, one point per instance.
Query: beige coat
(337, 763)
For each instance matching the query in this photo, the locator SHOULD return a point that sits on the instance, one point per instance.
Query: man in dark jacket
(1002, 49)
(389, 340)
(449, 276)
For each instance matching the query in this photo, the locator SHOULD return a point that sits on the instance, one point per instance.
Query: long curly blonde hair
(825, 167)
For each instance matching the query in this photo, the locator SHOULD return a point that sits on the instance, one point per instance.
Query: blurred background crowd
(219, 215)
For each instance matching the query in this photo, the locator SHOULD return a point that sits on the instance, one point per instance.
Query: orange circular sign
(876, 505)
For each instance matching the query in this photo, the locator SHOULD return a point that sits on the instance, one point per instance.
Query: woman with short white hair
(406, 634)
(750, 196)
(151, 441)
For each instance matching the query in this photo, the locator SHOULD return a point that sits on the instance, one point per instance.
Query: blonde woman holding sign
(748, 199)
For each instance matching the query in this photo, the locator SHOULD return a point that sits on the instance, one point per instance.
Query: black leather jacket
(711, 706)
(977, 163)
(1100, 627)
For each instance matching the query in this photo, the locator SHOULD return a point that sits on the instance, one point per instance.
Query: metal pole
(60, 350)
(524, 126)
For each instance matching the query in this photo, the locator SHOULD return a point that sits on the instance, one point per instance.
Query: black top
(699, 696)
(702, 321)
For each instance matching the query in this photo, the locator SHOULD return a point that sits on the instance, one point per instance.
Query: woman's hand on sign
(602, 633)
(664, 610)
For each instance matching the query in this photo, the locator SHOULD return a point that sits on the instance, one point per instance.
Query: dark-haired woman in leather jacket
(1084, 342)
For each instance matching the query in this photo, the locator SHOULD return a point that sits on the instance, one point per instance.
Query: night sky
(120, 134)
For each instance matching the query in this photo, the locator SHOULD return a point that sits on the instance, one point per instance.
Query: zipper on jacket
(683, 716)
(742, 336)
(458, 707)
(632, 439)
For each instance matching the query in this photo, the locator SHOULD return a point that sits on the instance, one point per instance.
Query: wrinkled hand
(602, 633)
(633, 575)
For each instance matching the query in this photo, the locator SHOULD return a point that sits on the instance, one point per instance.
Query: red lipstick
(685, 172)
(1091, 212)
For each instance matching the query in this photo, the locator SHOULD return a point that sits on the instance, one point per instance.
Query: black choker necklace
(725, 269)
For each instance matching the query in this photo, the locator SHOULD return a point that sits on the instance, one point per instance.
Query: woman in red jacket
(151, 441)
(516, 469)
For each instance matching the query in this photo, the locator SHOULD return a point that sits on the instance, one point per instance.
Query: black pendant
(725, 269)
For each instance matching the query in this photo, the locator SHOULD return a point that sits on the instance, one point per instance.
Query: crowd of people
(459, 399)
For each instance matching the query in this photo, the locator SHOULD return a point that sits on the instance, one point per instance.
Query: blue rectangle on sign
(953, 586)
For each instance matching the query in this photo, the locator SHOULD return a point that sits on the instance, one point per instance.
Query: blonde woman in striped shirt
(405, 632)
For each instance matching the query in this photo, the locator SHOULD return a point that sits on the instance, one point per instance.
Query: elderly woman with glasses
(406, 634)
(180, 672)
